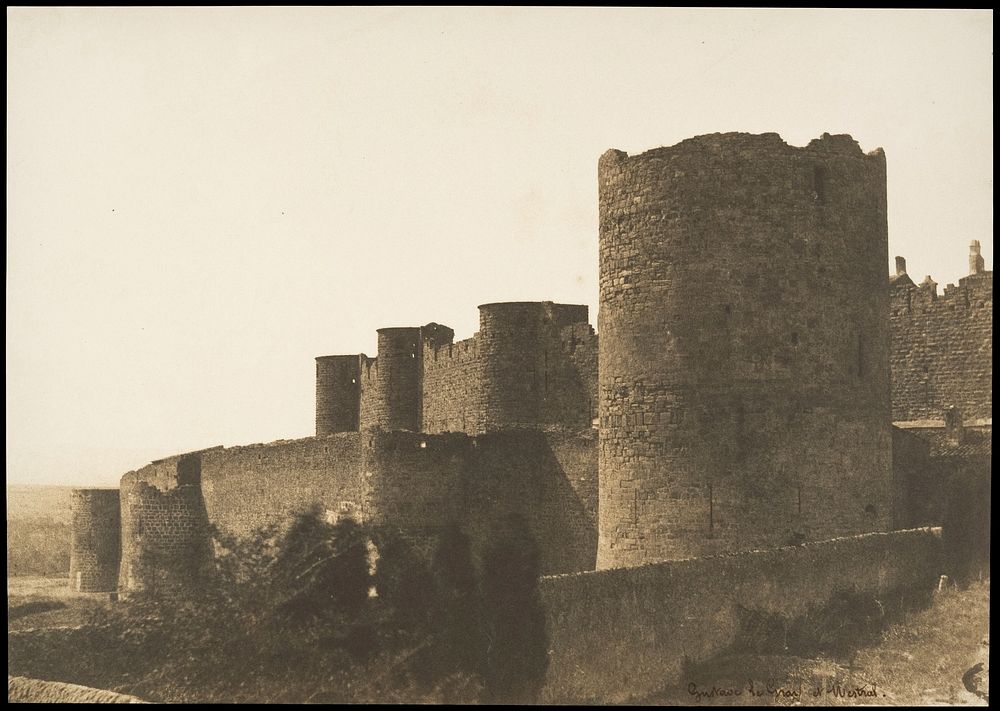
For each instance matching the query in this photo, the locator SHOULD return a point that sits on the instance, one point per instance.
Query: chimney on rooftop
(977, 265)
(953, 425)
(900, 266)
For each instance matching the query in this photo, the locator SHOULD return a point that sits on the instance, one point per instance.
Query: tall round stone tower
(744, 375)
(338, 394)
(166, 539)
(397, 397)
(522, 374)
(95, 540)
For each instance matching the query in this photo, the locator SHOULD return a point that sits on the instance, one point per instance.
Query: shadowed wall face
(95, 540)
(744, 381)
(168, 505)
(452, 392)
(616, 635)
(338, 394)
(396, 400)
(166, 542)
(528, 378)
(530, 365)
(420, 483)
(417, 483)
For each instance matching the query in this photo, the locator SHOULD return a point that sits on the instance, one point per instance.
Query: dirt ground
(928, 658)
(57, 604)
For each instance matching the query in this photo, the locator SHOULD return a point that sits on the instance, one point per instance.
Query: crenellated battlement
(457, 351)
(530, 364)
(942, 343)
(974, 291)
(736, 397)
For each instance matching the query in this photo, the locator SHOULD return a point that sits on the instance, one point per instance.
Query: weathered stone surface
(420, 482)
(531, 364)
(742, 389)
(626, 633)
(168, 504)
(942, 346)
(95, 540)
(338, 394)
(165, 534)
(415, 482)
(744, 380)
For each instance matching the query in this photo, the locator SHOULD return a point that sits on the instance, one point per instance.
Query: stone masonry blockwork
(416, 483)
(338, 391)
(95, 540)
(619, 635)
(736, 398)
(531, 364)
(942, 348)
(165, 528)
(419, 483)
(744, 380)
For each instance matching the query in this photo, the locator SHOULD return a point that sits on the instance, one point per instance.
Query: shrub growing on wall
(514, 620)
(298, 616)
(458, 614)
(966, 523)
(403, 582)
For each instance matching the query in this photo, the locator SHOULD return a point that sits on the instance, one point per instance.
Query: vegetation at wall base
(335, 613)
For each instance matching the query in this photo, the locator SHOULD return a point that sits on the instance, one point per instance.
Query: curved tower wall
(510, 376)
(526, 377)
(743, 375)
(166, 540)
(338, 394)
(412, 481)
(396, 400)
(95, 540)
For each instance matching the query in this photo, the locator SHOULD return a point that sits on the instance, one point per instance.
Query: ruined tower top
(977, 265)
(743, 370)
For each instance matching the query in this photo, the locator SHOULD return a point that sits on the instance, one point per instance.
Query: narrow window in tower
(711, 512)
(861, 358)
(819, 184)
(799, 497)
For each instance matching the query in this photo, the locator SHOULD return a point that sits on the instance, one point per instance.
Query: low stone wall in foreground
(627, 632)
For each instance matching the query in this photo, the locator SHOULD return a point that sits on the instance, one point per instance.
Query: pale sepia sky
(200, 201)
